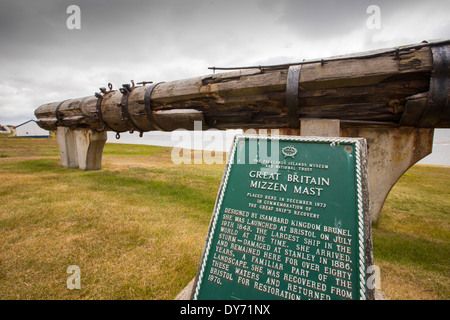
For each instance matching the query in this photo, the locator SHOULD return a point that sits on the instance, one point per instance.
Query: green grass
(135, 232)
(137, 227)
(27, 147)
(412, 237)
(130, 149)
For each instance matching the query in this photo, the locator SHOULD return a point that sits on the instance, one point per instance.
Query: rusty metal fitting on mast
(123, 104)
(98, 109)
(293, 78)
(148, 105)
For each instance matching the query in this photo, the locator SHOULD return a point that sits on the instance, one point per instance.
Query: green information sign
(288, 222)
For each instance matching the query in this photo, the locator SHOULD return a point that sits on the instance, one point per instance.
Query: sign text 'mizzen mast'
(290, 225)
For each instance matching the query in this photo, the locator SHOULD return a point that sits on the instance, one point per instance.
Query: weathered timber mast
(374, 88)
(393, 97)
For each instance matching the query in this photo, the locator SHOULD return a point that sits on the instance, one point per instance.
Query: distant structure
(31, 129)
(5, 129)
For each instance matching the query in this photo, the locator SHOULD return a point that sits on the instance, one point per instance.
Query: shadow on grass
(140, 184)
(397, 247)
(38, 165)
(135, 182)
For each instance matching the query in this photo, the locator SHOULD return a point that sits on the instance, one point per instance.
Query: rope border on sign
(359, 196)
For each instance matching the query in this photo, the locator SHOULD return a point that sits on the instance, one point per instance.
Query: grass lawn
(137, 227)
(412, 236)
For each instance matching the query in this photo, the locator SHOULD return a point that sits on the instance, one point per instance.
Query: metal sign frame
(288, 146)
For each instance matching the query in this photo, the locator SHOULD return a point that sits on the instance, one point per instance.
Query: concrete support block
(89, 144)
(67, 147)
(391, 152)
(320, 127)
(81, 148)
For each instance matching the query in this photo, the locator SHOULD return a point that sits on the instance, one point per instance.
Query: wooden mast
(373, 88)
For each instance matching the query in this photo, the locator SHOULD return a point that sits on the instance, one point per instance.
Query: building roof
(24, 123)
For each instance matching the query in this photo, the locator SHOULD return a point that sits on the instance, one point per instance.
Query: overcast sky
(42, 60)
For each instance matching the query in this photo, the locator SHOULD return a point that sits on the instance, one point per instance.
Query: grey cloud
(158, 40)
(333, 18)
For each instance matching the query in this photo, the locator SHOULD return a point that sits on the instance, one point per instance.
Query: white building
(32, 130)
(5, 129)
